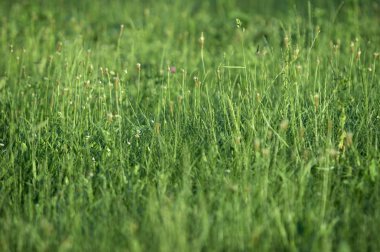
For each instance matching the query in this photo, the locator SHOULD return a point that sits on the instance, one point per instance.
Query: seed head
(197, 81)
(316, 102)
(202, 39)
(257, 144)
(117, 81)
(59, 47)
(349, 137)
(157, 128)
(333, 152)
(302, 132)
(266, 152)
(284, 124)
(258, 97)
(109, 117)
(358, 54)
(286, 41)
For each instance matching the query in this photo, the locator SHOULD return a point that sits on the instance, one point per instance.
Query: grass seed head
(202, 40)
(197, 81)
(117, 82)
(316, 101)
(284, 125)
(333, 153)
(157, 128)
(59, 47)
(258, 97)
(348, 141)
(257, 144)
(109, 117)
(301, 132)
(265, 152)
(286, 41)
(358, 54)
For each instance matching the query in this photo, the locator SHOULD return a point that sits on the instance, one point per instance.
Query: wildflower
(173, 69)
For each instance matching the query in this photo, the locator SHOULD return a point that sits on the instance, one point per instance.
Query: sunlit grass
(226, 126)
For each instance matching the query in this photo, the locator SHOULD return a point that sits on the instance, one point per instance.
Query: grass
(176, 126)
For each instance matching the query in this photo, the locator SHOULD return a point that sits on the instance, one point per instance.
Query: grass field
(189, 125)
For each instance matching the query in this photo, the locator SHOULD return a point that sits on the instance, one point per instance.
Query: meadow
(224, 125)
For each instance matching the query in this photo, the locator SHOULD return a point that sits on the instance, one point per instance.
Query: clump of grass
(264, 138)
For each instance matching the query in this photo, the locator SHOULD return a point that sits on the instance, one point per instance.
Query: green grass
(264, 138)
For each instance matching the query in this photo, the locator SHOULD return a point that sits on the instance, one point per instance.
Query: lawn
(222, 125)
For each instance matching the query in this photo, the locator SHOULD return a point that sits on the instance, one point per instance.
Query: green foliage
(189, 125)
